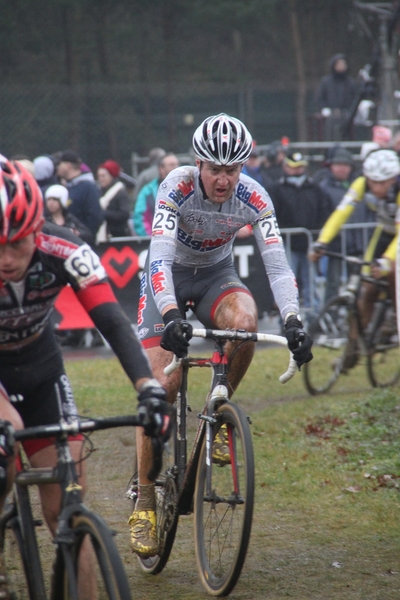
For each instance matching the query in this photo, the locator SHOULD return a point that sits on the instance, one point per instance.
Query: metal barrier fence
(317, 282)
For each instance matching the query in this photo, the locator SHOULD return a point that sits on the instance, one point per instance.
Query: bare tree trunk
(301, 116)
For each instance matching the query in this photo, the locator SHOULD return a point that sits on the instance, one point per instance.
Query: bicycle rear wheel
(330, 333)
(222, 518)
(106, 580)
(167, 513)
(383, 354)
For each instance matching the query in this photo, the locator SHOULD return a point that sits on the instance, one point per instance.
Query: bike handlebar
(76, 426)
(239, 335)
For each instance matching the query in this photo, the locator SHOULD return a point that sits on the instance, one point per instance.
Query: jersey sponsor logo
(141, 306)
(202, 245)
(157, 277)
(184, 192)
(224, 286)
(85, 266)
(159, 327)
(44, 293)
(19, 321)
(142, 298)
(143, 332)
(229, 222)
(252, 199)
(163, 205)
(50, 244)
(197, 220)
(40, 280)
(69, 407)
(5, 296)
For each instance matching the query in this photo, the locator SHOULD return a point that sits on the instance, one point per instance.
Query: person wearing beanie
(114, 201)
(44, 172)
(56, 211)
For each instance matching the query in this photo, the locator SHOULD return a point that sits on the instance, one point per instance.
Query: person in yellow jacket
(380, 187)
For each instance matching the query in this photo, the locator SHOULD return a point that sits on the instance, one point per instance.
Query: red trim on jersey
(33, 446)
(54, 245)
(152, 342)
(222, 296)
(94, 295)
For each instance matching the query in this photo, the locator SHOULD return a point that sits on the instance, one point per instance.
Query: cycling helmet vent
(222, 140)
(21, 202)
(381, 164)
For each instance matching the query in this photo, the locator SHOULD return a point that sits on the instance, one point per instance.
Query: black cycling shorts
(200, 289)
(37, 385)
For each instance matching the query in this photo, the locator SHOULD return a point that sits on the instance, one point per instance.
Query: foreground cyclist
(199, 211)
(36, 261)
(379, 187)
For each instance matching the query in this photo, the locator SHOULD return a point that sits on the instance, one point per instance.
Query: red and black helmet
(21, 202)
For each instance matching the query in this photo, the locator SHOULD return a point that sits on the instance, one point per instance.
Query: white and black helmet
(222, 140)
(381, 164)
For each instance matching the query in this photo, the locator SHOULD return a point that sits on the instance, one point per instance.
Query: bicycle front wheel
(330, 333)
(223, 507)
(383, 355)
(19, 548)
(89, 565)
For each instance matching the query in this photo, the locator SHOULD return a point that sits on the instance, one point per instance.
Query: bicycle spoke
(223, 513)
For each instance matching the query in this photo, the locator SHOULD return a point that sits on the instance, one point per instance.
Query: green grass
(327, 515)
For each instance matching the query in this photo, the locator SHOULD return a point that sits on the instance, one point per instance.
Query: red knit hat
(112, 167)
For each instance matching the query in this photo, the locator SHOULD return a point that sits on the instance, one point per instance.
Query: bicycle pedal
(250, 422)
(38, 522)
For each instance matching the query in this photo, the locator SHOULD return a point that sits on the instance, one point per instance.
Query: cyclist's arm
(391, 250)
(343, 211)
(106, 313)
(280, 275)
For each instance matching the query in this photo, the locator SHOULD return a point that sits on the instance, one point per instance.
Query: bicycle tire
(383, 365)
(330, 335)
(111, 579)
(166, 509)
(222, 522)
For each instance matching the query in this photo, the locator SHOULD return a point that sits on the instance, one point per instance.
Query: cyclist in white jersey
(199, 211)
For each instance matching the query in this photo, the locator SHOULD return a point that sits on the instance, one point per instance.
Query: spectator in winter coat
(299, 202)
(56, 211)
(114, 201)
(82, 190)
(145, 202)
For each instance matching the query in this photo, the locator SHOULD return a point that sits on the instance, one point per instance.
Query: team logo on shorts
(159, 327)
(143, 332)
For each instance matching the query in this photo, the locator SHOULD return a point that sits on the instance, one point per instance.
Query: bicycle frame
(218, 394)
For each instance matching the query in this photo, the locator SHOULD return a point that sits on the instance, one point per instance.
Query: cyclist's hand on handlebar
(381, 267)
(154, 412)
(316, 250)
(177, 333)
(299, 342)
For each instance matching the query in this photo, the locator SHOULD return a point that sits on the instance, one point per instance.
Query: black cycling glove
(177, 333)
(154, 412)
(299, 342)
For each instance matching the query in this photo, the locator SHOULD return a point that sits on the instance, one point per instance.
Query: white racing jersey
(195, 232)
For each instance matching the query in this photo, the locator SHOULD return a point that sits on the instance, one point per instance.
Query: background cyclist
(37, 260)
(199, 210)
(379, 187)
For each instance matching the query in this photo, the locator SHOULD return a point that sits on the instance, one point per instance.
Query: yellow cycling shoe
(220, 450)
(143, 525)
